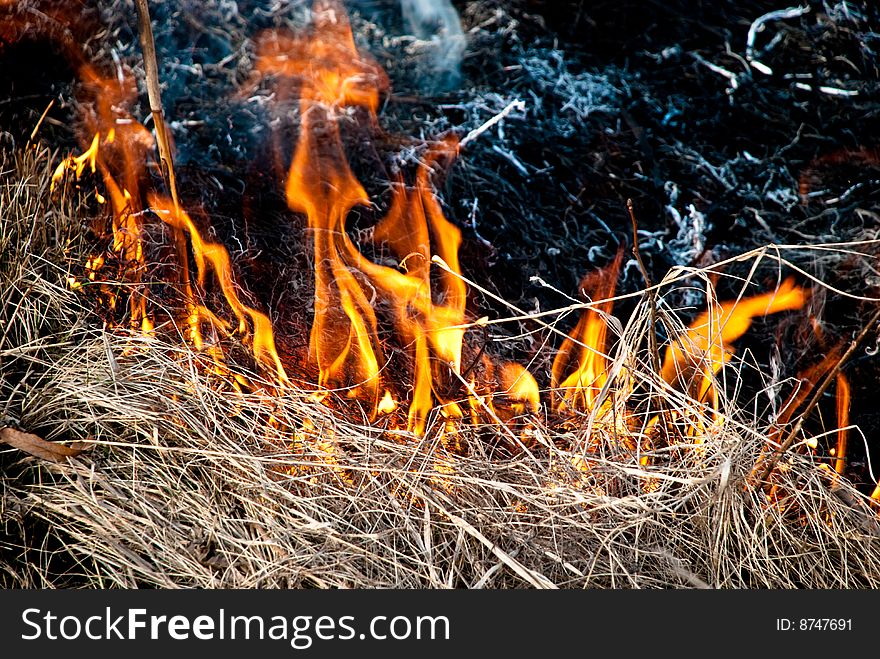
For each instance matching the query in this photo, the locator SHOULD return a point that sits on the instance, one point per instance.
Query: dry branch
(154, 94)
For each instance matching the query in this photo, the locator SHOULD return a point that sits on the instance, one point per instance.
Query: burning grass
(187, 480)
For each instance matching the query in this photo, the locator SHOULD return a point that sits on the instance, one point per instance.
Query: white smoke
(440, 40)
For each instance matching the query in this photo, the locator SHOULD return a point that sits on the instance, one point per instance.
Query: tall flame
(320, 184)
(344, 341)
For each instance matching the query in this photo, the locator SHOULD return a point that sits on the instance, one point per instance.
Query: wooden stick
(148, 46)
(817, 395)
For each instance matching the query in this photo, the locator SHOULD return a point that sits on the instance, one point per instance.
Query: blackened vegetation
(658, 102)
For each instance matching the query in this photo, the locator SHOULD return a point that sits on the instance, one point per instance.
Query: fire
(520, 387)
(428, 313)
(695, 357)
(809, 379)
(433, 330)
(580, 368)
(321, 185)
(387, 405)
(843, 400)
(77, 164)
(121, 158)
(355, 296)
(204, 253)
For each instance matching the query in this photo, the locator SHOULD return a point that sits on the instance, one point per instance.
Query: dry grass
(189, 484)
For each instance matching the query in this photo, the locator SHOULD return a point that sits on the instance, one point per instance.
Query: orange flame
(843, 400)
(217, 256)
(344, 341)
(77, 163)
(434, 330)
(580, 368)
(703, 350)
(124, 149)
(520, 388)
(810, 379)
(321, 185)
(121, 159)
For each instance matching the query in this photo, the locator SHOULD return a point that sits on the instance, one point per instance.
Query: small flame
(77, 164)
(810, 379)
(520, 387)
(123, 151)
(580, 368)
(843, 401)
(216, 254)
(387, 405)
(704, 349)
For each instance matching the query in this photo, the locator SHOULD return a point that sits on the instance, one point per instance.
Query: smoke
(440, 41)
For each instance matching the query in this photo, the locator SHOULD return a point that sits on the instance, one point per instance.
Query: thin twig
(817, 395)
(650, 292)
(42, 118)
(517, 105)
(651, 296)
